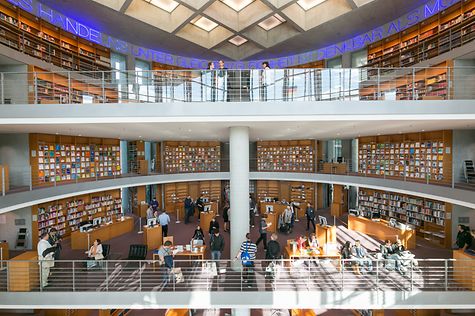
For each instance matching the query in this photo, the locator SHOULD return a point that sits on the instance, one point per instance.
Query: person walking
(216, 245)
(213, 224)
(188, 208)
(263, 232)
(226, 217)
(164, 220)
(45, 258)
(252, 210)
(273, 248)
(247, 255)
(310, 213)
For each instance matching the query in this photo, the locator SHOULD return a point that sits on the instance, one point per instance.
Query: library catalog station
(237, 157)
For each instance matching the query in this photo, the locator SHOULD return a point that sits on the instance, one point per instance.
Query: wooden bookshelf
(431, 219)
(291, 191)
(35, 37)
(286, 156)
(415, 156)
(175, 193)
(66, 214)
(135, 154)
(443, 32)
(189, 157)
(61, 158)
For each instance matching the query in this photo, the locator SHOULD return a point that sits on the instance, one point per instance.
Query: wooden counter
(152, 237)
(24, 275)
(205, 219)
(5, 251)
(277, 208)
(334, 168)
(271, 219)
(325, 234)
(464, 269)
(382, 230)
(104, 233)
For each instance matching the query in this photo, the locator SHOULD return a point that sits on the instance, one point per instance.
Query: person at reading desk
(310, 213)
(301, 242)
(226, 216)
(263, 232)
(362, 260)
(45, 257)
(200, 205)
(464, 239)
(313, 243)
(189, 207)
(397, 255)
(213, 225)
(198, 234)
(150, 212)
(154, 204)
(164, 220)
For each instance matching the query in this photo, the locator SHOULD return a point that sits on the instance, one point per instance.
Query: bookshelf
(189, 157)
(416, 156)
(66, 214)
(135, 154)
(291, 191)
(35, 37)
(431, 219)
(286, 156)
(447, 30)
(175, 193)
(61, 158)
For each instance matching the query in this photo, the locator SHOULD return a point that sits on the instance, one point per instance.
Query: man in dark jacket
(188, 209)
(273, 248)
(213, 224)
(216, 245)
(310, 212)
(263, 233)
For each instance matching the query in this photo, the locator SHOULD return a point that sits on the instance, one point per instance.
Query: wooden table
(325, 234)
(306, 255)
(24, 276)
(277, 208)
(190, 254)
(382, 230)
(79, 240)
(464, 269)
(152, 236)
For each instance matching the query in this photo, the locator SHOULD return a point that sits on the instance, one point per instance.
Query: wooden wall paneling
(194, 190)
(284, 190)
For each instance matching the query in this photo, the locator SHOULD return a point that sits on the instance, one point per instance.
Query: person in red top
(301, 242)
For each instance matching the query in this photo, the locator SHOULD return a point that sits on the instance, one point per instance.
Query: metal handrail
(306, 274)
(159, 86)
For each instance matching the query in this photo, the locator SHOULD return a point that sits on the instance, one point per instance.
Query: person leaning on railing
(45, 257)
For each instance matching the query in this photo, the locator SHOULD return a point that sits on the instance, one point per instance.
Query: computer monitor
(197, 242)
(97, 221)
(392, 222)
(151, 222)
(269, 208)
(339, 159)
(207, 208)
(322, 220)
(354, 212)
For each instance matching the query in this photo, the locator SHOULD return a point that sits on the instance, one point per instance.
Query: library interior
(237, 157)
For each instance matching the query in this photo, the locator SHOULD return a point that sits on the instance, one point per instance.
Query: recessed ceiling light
(237, 5)
(79, 135)
(166, 5)
(423, 130)
(308, 4)
(238, 40)
(271, 22)
(204, 23)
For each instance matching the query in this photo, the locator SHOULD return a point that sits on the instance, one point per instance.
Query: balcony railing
(286, 85)
(325, 274)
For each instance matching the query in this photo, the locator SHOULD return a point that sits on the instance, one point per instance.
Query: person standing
(310, 213)
(252, 210)
(216, 245)
(264, 80)
(211, 81)
(273, 248)
(150, 212)
(200, 205)
(45, 258)
(198, 234)
(221, 81)
(154, 204)
(226, 216)
(55, 241)
(164, 220)
(213, 224)
(247, 255)
(165, 254)
(263, 232)
(188, 208)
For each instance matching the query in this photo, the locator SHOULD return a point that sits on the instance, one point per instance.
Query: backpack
(246, 257)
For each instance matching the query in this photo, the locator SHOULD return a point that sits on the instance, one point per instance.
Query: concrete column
(239, 186)
(241, 312)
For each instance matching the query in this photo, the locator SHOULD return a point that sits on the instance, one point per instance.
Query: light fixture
(204, 23)
(166, 5)
(271, 22)
(238, 40)
(308, 4)
(237, 5)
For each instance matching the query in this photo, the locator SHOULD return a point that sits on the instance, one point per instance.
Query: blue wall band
(358, 42)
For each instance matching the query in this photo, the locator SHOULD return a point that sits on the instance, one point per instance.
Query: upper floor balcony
(226, 85)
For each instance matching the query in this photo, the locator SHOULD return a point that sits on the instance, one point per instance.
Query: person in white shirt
(45, 257)
(95, 253)
(164, 220)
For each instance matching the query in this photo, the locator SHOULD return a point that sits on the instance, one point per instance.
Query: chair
(468, 170)
(168, 238)
(137, 252)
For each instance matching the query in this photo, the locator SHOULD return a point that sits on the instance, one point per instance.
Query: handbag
(246, 257)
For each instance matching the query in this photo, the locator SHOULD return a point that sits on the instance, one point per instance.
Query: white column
(239, 186)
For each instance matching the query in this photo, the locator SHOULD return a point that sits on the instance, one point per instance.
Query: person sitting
(94, 253)
(198, 234)
(301, 242)
(313, 243)
(362, 260)
(345, 251)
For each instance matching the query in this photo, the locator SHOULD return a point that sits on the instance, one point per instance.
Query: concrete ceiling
(258, 130)
(182, 31)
